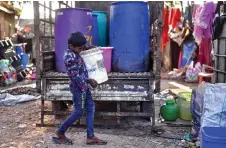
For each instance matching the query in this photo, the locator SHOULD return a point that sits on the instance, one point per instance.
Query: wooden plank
(37, 44)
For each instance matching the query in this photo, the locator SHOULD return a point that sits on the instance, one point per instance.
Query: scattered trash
(22, 126)
(187, 137)
(7, 99)
(23, 90)
(164, 95)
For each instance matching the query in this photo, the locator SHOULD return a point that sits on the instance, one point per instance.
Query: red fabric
(165, 29)
(204, 56)
(176, 17)
(170, 17)
(171, 12)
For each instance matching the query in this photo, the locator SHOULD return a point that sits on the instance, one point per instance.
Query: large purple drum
(70, 20)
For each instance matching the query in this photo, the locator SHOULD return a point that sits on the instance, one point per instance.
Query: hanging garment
(187, 14)
(174, 17)
(171, 20)
(194, 10)
(218, 25)
(204, 56)
(203, 21)
(188, 50)
(217, 11)
(165, 29)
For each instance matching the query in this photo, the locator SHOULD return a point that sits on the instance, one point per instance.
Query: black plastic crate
(10, 52)
(23, 73)
(5, 45)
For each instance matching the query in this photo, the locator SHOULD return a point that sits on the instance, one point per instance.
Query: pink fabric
(194, 12)
(204, 16)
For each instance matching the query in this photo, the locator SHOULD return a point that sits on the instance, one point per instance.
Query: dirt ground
(18, 130)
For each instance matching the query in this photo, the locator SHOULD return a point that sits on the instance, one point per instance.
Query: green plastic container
(169, 111)
(102, 27)
(184, 103)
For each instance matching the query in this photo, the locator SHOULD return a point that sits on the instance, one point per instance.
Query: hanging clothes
(188, 50)
(218, 25)
(195, 7)
(174, 17)
(203, 31)
(165, 29)
(204, 56)
(203, 21)
(171, 20)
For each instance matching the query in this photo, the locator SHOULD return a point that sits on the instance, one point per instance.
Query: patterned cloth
(76, 70)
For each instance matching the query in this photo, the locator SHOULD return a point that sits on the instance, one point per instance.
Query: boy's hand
(92, 82)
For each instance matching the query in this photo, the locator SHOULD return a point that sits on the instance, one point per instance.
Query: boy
(79, 83)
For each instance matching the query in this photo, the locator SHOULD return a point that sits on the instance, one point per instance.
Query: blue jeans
(80, 101)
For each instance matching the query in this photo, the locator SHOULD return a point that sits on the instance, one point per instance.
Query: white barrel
(94, 62)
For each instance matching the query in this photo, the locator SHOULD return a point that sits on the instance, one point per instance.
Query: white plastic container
(94, 62)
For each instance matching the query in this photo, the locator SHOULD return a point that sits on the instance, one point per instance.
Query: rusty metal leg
(152, 118)
(78, 122)
(141, 106)
(118, 111)
(42, 112)
(55, 107)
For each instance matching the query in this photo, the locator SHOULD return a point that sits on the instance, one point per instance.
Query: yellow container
(184, 103)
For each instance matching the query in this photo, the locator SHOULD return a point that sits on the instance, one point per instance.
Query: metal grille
(44, 20)
(220, 58)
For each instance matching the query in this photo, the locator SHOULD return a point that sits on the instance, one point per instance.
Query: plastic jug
(169, 111)
(184, 103)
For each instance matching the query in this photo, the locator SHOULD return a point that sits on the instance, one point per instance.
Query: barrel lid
(82, 9)
(120, 2)
(97, 11)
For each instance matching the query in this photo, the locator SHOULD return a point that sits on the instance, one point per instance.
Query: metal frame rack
(54, 86)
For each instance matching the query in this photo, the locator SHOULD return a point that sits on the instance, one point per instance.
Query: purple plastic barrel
(70, 20)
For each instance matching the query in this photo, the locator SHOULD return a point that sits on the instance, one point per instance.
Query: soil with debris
(23, 90)
(18, 130)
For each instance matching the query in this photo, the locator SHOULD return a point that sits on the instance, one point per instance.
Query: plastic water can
(184, 103)
(94, 62)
